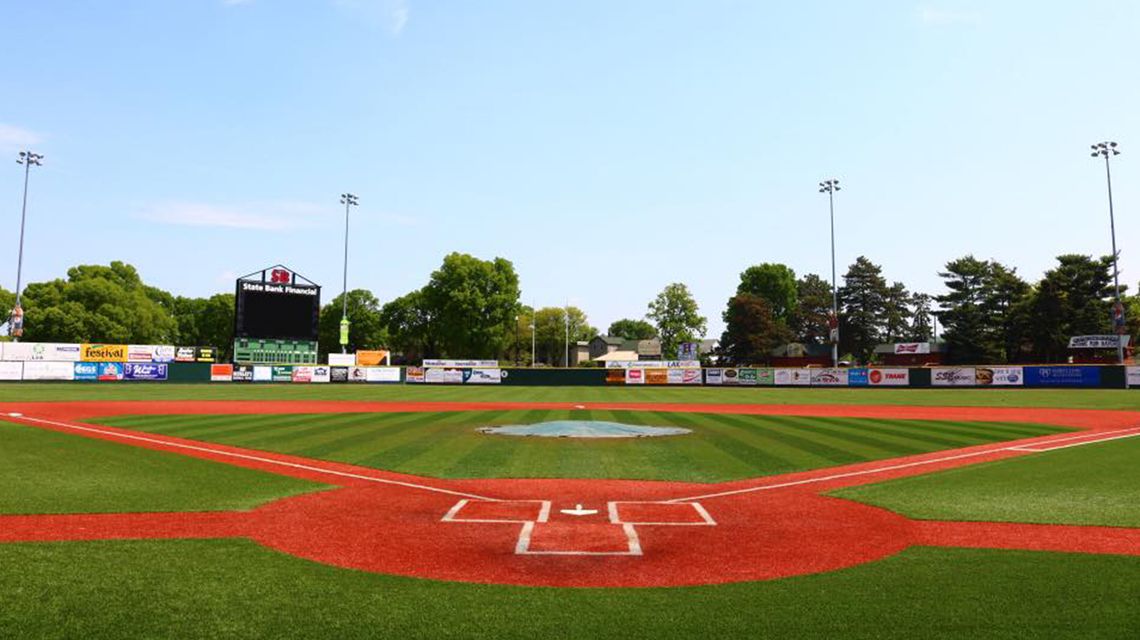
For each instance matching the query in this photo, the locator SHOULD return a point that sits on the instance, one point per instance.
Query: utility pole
(1108, 150)
(830, 187)
(348, 200)
(16, 318)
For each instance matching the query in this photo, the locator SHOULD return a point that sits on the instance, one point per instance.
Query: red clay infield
(596, 533)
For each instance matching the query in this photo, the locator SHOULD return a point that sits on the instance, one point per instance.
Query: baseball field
(271, 511)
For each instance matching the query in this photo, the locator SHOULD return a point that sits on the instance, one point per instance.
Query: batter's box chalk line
(616, 536)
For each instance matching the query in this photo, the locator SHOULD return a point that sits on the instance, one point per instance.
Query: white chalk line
(243, 456)
(1035, 449)
(1134, 431)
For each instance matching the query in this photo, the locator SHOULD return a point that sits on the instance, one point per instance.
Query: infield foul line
(243, 456)
(1121, 433)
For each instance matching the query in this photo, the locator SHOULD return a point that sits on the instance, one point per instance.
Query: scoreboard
(276, 303)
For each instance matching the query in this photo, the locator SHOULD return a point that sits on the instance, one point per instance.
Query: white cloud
(271, 216)
(937, 16)
(392, 15)
(13, 137)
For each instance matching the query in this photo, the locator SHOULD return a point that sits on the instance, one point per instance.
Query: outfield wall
(1055, 376)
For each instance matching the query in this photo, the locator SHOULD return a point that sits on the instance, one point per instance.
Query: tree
(776, 283)
(7, 301)
(813, 308)
(921, 328)
(863, 303)
(752, 330)
(205, 321)
(98, 304)
(551, 328)
(1074, 298)
(967, 327)
(366, 326)
(519, 350)
(677, 317)
(896, 313)
(632, 329)
(411, 327)
(472, 304)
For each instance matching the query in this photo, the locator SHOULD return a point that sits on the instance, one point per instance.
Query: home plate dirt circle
(579, 533)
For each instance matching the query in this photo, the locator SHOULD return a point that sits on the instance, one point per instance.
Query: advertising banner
(888, 377)
(1000, 376)
(141, 352)
(86, 371)
(793, 377)
(45, 351)
(443, 375)
(415, 374)
(143, 371)
(382, 374)
(338, 375)
(829, 377)
(688, 350)
(461, 363)
(164, 353)
(111, 371)
(731, 377)
(676, 376)
(262, 373)
(103, 352)
(692, 376)
(1133, 374)
(714, 376)
(372, 358)
(624, 364)
(342, 359)
(205, 354)
(281, 373)
(482, 376)
(765, 377)
(1062, 376)
(953, 377)
(302, 374)
(10, 371)
(321, 374)
(912, 347)
(656, 376)
(38, 370)
(857, 377)
(221, 372)
(615, 376)
(1097, 342)
(635, 376)
(676, 364)
(243, 373)
(184, 354)
(357, 374)
(747, 377)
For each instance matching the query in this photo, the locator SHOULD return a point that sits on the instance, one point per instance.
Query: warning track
(577, 532)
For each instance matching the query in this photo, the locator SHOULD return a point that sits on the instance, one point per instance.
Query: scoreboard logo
(280, 276)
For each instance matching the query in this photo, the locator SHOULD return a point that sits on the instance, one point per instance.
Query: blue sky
(607, 148)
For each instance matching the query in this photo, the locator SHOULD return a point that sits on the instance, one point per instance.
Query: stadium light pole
(829, 187)
(26, 158)
(1108, 150)
(567, 313)
(533, 336)
(348, 200)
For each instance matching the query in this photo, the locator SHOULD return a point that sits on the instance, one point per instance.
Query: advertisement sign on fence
(338, 374)
(1000, 376)
(793, 377)
(1062, 376)
(371, 358)
(635, 376)
(1133, 374)
(829, 377)
(10, 371)
(45, 351)
(111, 371)
(656, 376)
(714, 376)
(1097, 342)
(342, 359)
(36, 370)
(86, 371)
(912, 347)
(857, 377)
(103, 352)
(262, 373)
(888, 377)
(357, 374)
(482, 376)
(443, 375)
(243, 373)
(143, 371)
(221, 372)
(302, 373)
(953, 377)
(184, 354)
(460, 364)
(322, 374)
(382, 374)
(149, 353)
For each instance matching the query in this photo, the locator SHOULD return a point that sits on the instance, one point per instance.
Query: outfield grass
(48, 472)
(1096, 484)
(232, 588)
(721, 447)
(1074, 398)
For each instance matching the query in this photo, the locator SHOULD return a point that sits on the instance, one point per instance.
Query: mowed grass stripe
(721, 446)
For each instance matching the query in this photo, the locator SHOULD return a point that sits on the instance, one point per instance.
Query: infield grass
(44, 472)
(1072, 398)
(1095, 484)
(235, 589)
(720, 447)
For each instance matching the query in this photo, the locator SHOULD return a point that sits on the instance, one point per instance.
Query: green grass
(721, 447)
(1075, 398)
(1096, 484)
(48, 472)
(232, 588)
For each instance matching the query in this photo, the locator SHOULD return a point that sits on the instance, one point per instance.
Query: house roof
(617, 355)
(614, 340)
